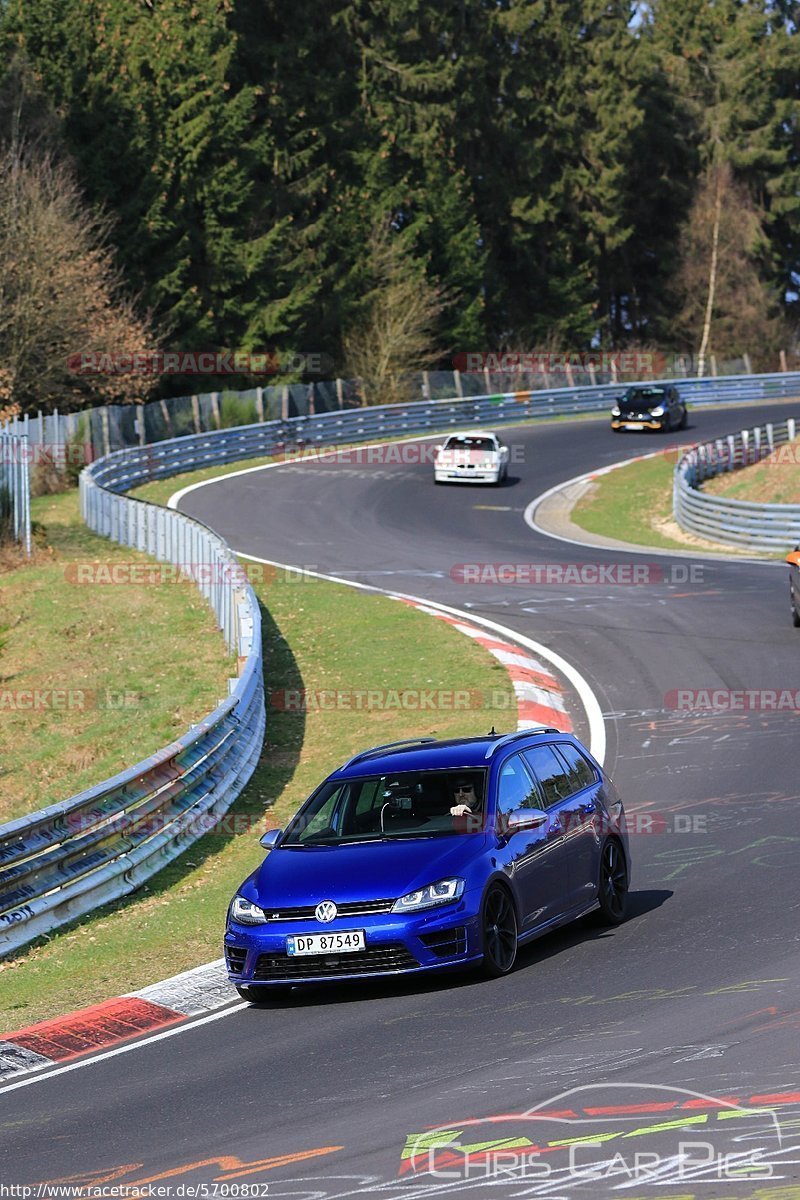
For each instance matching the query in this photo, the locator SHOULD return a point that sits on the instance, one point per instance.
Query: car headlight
(429, 897)
(615, 412)
(658, 411)
(246, 913)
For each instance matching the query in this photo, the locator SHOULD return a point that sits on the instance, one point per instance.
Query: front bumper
(395, 945)
(466, 475)
(634, 423)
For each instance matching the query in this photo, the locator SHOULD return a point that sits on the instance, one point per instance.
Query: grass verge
(332, 642)
(630, 503)
(94, 678)
(776, 480)
(634, 504)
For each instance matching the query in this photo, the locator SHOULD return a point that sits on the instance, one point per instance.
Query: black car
(793, 560)
(656, 406)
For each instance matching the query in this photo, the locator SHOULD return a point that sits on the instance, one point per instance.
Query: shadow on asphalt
(549, 946)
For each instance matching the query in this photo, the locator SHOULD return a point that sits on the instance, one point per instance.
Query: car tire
(795, 613)
(498, 932)
(684, 424)
(612, 886)
(261, 996)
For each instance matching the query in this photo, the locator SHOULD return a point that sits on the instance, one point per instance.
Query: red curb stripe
(494, 644)
(62, 1038)
(527, 710)
(528, 675)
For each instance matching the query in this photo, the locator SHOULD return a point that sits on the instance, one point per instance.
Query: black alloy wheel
(613, 889)
(499, 932)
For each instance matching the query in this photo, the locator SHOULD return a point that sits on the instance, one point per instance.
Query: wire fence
(97, 431)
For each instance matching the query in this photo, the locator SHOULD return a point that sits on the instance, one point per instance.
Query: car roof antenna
(492, 732)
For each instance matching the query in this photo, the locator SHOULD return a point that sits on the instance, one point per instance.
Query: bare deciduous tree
(394, 337)
(60, 294)
(725, 305)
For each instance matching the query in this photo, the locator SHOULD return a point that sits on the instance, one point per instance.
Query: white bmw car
(476, 456)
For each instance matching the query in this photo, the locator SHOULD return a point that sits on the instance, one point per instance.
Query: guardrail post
(457, 383)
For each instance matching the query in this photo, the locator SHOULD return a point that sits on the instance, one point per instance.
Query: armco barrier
(135, 465)
(68, 859)
(99, 431)
(737, 522)
(103, 843)
(15, 489)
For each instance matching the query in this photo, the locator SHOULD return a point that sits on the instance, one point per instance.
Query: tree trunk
(712, 278)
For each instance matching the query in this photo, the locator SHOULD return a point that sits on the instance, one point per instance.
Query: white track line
(104, 1054)
(594, 714)
(310, 457)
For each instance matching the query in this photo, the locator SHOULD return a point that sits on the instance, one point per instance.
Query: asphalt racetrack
(661, 1058)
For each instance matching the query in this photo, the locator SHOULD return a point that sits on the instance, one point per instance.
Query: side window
(367, 796)
(515, 788)
(551, 772)
(581, 773)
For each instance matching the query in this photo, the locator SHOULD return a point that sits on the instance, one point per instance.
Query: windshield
(470, 443)
(643, 398)
(381, 807)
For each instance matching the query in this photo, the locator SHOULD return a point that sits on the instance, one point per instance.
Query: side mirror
(523, 818)
(268, 839)
(794, 558)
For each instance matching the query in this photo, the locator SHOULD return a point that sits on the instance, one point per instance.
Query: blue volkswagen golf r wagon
(426, 854)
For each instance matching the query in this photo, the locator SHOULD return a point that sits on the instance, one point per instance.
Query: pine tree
(406, 156)
(735, 67)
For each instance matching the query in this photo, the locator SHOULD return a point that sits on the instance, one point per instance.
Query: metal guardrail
(70, 858)
(737, 522)
(136, 465)
(100, 431)
(101, 844)
(15, 490)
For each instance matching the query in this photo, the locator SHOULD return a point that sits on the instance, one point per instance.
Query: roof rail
(518, 733)
(386, 746)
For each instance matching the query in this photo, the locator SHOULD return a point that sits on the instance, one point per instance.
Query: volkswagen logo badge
(326, 911)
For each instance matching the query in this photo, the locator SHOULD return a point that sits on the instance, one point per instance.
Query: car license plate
(326, 943)
(634, 424)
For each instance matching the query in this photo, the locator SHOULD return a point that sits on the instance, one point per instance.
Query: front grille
(305, 912)
(447, 943)
(391, 957)
(235, 956)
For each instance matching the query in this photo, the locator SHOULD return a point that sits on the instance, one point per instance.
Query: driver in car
(465, 801)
